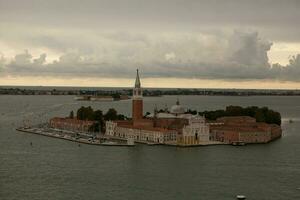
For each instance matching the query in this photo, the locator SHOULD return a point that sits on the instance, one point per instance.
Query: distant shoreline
(150, 92)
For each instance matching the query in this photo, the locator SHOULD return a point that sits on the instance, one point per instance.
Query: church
(173, 127)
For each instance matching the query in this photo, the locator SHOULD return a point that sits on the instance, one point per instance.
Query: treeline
(212, 92)
(87, 113)
(262, 114)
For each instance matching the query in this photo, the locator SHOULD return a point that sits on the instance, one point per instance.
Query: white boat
(80, 98)
(109, 143)
(240, 197)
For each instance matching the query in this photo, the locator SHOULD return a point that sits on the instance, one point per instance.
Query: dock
(39, 131)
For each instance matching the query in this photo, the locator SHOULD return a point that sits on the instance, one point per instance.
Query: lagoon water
(55, 169)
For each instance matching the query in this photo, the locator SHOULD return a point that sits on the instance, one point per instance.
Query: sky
(174, 43)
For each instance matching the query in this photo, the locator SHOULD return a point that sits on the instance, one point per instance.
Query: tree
(193, 112)
(259, 116)
(98, 115)
(111, 114)
(80, 113)
(95, 127)
(85, 113)
(121, 117)
(263, 114)
(234, 110)
(89, 113)
(147, 113)
(71, 114)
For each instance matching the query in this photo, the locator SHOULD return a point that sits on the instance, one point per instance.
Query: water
(57, 169)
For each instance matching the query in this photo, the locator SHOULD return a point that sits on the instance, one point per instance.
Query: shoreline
(81, 141)
(110, 140)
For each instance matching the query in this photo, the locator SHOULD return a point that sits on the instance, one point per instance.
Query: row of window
(146, 136)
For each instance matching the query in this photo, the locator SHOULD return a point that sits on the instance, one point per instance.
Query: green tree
(71, 114)
(95, 127)
(234, 110)
(147, 113)
(111, 114)
(98, 115)
(259, 116)
(263, 114)
(121, 117)
(85, 113)
(80, 113)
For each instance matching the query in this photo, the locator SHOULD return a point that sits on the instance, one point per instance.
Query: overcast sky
(174, 43)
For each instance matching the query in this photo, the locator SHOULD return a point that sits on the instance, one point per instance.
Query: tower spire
(137, 80)
(137, 99)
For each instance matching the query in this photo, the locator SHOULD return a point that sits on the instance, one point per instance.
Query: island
(174, 126)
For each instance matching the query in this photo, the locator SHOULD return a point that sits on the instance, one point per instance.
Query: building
(137, 100)
(71, 124)
(195, 132)
(174, 127)
(243, 129)
(146, 134)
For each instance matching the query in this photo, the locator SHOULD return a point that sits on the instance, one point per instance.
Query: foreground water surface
(57, 169)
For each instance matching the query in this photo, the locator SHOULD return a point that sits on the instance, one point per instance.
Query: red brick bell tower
(137, 99)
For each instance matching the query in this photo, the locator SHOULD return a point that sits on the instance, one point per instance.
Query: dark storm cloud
(276, 18)
(242, 55)
(166, 38)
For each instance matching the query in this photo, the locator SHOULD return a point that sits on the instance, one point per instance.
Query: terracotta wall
(137, 109)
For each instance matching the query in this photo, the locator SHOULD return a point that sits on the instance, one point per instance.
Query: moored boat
(240, 197)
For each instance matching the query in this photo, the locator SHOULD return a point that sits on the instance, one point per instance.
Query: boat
(130, 141)
(82, 98)
(238, 143)
(79, 98)
(109, 143)
(240, 197)
(102, 98)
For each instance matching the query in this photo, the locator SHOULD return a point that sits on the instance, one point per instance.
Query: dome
(177, 109)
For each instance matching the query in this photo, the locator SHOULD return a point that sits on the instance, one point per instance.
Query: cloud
(232, 56)
(2, 62)
(170, 56)
(41, 60)
(289, 72)
(249, 49)
(275, 19)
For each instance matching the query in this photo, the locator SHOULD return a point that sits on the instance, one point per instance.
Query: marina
(66, 136)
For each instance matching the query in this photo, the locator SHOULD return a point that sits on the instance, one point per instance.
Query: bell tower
(137, 99)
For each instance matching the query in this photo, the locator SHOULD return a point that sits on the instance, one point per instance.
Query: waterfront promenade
(67, 136)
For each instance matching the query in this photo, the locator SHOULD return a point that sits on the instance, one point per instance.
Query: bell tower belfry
(137, 99)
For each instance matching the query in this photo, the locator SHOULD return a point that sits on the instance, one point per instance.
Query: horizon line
(124, 87)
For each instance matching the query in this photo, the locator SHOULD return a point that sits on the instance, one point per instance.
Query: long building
(71, 124)
(243, 129)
